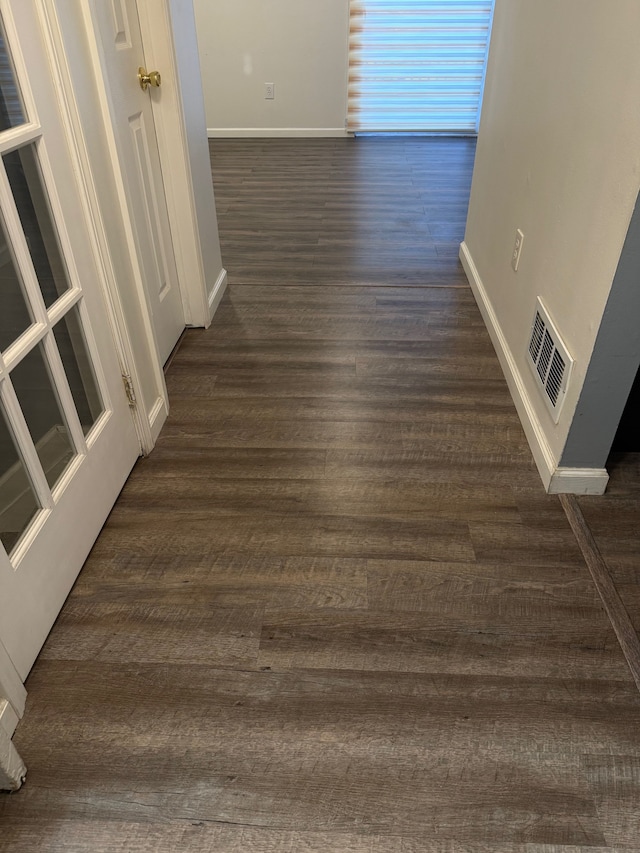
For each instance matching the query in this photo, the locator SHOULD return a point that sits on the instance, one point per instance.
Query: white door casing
(120, 48)
(63, 366)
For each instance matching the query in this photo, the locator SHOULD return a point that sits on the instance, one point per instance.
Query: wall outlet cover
(517, 250)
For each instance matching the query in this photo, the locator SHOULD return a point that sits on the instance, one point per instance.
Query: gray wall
(613, 365)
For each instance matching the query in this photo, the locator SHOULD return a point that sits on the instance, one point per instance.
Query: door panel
(151, 204)
(67, 439)
(120, 24)
(120, 44)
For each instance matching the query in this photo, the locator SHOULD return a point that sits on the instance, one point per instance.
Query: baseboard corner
(578, 481)
(157, 416)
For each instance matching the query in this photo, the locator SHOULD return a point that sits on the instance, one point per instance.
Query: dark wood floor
(334, 611)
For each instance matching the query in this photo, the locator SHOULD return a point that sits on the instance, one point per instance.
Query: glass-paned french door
(417, 65)
(45, 366)
(67, 440)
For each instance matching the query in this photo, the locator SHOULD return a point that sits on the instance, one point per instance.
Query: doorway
(627, 438)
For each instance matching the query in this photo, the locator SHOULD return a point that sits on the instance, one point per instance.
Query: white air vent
(550, 360)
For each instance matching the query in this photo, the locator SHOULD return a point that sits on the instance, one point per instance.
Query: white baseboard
(578, 481)
(273, 132)
(556, 480)
(217, 293)
(157, 417)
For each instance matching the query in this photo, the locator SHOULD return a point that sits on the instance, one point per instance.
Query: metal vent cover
(550, 360)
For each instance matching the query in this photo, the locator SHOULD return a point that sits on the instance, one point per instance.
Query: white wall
(300, 45)
(559, 157)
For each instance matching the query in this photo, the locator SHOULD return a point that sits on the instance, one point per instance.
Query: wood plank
(529, 545)
(490, 588)
(226, 581)
(614, 781)
(484, 640)
(622, 624)
(437, 465)
(227, 462)
(375, 499)
(288, 535)
(496, 424)
(129, 631)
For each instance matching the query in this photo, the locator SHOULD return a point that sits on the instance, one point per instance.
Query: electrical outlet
(269, 91)
(517, 250)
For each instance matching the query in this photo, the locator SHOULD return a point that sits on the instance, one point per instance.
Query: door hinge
(127, 381)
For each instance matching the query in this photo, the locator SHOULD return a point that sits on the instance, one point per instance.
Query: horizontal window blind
(417, 65)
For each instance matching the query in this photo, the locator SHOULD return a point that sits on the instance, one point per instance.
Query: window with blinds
(417, 65)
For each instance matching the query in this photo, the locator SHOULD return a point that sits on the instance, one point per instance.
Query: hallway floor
(334, 611)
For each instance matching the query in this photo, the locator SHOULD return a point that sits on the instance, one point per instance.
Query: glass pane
(18, 503)
(41, 409)
(11, 109)
(77, 365)
(15, 316)
(32, 201)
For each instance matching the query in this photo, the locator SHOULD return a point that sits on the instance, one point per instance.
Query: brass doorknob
(153, 78)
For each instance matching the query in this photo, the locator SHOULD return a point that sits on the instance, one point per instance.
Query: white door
(120, 44)
(67, 438)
